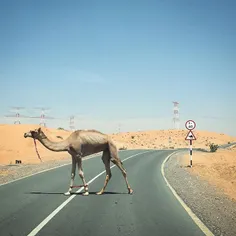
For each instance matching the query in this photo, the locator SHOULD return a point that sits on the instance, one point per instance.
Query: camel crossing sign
(190, 136)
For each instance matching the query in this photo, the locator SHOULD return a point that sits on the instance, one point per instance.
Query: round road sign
(190, 125)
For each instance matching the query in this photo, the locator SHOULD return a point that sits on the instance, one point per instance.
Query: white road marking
(43, 171)
(197, 221)
(49, 217)
(26, 176)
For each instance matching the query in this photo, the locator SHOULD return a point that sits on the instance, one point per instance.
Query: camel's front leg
(73, 168)
(81, 174)
(108, 174)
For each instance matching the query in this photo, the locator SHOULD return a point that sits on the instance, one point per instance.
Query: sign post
(190, 125)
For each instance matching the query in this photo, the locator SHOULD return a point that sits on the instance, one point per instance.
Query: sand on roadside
(218, 168)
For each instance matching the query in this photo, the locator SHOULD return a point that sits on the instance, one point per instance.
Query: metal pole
(191, 154)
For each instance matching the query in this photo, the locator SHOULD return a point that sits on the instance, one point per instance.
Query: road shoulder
(210, 205)
(11, 173)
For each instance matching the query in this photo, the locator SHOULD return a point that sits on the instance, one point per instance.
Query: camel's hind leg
(106, 160)
(116, 160)
(118, 163)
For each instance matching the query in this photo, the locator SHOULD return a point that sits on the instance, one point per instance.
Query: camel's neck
(54, 146)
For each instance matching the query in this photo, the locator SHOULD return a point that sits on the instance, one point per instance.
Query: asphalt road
(152, 209)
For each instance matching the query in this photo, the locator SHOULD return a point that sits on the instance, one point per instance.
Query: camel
(82, 143)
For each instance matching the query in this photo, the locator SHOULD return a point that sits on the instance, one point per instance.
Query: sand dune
(13, 145)
(162, 139)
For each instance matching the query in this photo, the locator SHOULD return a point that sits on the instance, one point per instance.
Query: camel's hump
(84, 131)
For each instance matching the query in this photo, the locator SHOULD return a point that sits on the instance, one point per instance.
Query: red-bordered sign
(190, 136)
(190, 125)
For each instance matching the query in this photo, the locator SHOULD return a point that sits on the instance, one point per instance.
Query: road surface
(152, 209)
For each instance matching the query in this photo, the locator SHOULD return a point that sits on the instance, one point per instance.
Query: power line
(17, 115)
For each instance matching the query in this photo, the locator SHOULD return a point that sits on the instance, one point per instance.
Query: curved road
(152, 209)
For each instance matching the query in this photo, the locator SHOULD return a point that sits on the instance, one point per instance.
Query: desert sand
(13, 145)
(165, 139)
(218, 168)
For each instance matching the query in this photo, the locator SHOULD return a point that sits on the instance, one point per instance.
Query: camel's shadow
(73, 193)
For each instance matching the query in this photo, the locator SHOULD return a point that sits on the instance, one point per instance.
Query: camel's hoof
(67, 193)
(86, 194)
(130, 191)
(99, 193)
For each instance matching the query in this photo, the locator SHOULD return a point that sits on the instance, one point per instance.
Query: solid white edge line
(23, 177)
(197, 221)
(59, 208)
(26, 176)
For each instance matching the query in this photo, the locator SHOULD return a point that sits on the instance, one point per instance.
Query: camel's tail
(114, 155)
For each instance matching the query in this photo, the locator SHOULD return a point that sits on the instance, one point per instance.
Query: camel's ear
(39, 130)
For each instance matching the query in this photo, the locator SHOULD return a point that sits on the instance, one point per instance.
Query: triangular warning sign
(190, 136)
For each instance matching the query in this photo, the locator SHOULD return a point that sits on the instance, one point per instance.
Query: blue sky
(120, 62)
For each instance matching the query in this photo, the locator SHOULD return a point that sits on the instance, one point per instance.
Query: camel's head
(35, 134)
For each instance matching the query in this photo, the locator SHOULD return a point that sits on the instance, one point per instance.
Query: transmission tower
(17, 115)
(72, 123)
(176, 115)
(42, 117)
